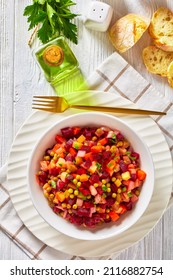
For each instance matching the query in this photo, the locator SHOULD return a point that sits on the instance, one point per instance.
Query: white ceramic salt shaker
(98, 16)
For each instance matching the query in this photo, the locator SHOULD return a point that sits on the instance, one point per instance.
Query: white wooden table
(20, 79)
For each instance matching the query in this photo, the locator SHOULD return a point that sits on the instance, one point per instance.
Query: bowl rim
(66, 118)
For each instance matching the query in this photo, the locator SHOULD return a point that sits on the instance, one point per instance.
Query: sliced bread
(157, 60)
(161, 29)
(126, 31)
(170, 74)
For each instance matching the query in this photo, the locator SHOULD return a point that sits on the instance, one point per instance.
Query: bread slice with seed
(156, 60)
(126, 31)
(161, 29)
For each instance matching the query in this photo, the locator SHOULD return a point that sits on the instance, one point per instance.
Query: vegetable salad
(91, 175)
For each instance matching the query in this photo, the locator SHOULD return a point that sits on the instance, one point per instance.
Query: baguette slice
(127, 31)
(157, 60)
(170, 74)
(161, 29)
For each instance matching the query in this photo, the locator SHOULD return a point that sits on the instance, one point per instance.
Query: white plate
(24, 142)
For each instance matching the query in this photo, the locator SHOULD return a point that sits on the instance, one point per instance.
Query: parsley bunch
(54, 18)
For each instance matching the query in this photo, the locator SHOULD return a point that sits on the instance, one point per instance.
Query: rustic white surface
(20, 79)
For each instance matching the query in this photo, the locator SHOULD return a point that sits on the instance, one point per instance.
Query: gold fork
(57, 104)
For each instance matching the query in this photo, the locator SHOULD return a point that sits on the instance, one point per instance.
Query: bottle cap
(53, 55)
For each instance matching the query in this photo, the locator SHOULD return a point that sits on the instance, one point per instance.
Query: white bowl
(109, 229)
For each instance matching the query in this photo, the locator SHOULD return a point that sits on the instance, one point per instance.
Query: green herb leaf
(104, 188)
(129, 194)
(53, 184)
(42, 35)
(54, 18)
(98, 165)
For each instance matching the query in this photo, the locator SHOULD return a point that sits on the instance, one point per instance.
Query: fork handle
(117, 110)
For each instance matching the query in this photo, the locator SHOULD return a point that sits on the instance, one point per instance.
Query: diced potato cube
(126, 175)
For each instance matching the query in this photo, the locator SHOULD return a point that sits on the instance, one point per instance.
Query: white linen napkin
(114, 75)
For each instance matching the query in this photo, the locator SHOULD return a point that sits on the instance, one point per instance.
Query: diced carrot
(78, 160)
(72, 151)
(121, 209)
(114, 216)
(76, 130)
(81, 138)
(60, 152)
(84, 178)
(71, 166)
(141, 175)
(103, 141)
(88, 156)
(59, 138)
(96, 149)
(111, 165)
(56, 147)
(60, 196)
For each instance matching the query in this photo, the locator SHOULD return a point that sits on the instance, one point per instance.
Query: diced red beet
(105, 175)
(108, 220)
(94, 178)
(120, 137)
(97, 157)
(99, 190)
(60, 185)
(87, 164)
(129, 206)
(107, 155)
(67, 132)
(85, 191)
(88, 204)
(68, 144)
(110, 201)
(103, 206)
(135, 155)
(69, 157)
(70, 177)
(81, 171)
(43, 177)
(87, 133)
(123, 166)
(54, 171)
(83, 212)
(76, 220)
(48, 151)
(114, 188)
(56, 209)
(133, 177)
(71, 201)
(85, 148)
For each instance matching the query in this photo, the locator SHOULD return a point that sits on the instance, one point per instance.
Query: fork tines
(47, 103)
